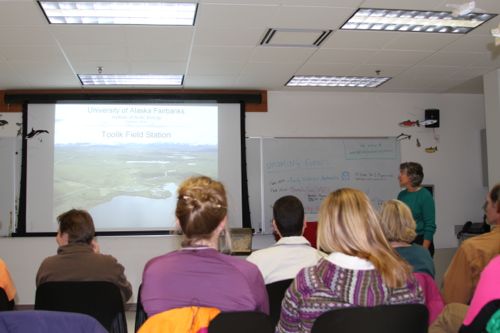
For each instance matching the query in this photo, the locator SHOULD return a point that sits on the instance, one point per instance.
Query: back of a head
(414, 171)
(397, 222)
(349, 224)
(201, 206)
(288, 213)
(495, 195)
(78, 225)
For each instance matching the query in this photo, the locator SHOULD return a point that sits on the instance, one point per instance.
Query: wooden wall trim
(11, 100)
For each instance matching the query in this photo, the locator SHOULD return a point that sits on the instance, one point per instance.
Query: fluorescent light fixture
(336, 81)
(130, 80)
(101, 12)
(414, 21)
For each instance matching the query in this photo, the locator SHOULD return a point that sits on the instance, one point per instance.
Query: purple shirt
(202, 277)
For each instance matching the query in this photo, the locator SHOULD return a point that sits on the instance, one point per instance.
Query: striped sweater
(327, 286)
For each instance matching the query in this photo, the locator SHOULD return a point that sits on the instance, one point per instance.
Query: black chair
(407, 318)
(5, 304)
(36, 321)
(478, 325)
(276, 292)
(241, 322)
(99, 299)
(140, 315)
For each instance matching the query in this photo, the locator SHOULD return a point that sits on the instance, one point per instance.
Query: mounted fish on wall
(10, 124)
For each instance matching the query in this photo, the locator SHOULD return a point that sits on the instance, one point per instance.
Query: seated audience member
(292, 252)
(456, 314)
(361, 270)
(6, 281)
(198, 274)
(473, 255)
(399, 229)
(78, 257)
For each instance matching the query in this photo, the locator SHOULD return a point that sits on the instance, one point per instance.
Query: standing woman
(420, 201)
(361, 269)
(198, 274)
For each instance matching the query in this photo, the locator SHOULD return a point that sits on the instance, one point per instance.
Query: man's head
(493, 205)
(288, 216)
(75, 226)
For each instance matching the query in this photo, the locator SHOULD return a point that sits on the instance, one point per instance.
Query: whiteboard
(311, 168)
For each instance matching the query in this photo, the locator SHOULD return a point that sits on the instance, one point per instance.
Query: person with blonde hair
(361, 269)
(399, 229)
(198, 274)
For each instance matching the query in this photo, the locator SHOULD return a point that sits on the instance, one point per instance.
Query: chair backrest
(276, 292)
(478, 325)
(5, 304)
(36, 321)
(407, 318)
(140, 315)
(99, 299)
(241, 322)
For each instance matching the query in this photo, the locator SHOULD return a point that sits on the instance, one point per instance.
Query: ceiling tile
(32, 53)
(470, 43)
(384, 70)
(108, 67)
(472, 86)
(450, 59)
(207, 81)
(486, 59)
(400, 58)
(228, 37)
(21, 13)
(25, 36)
(326, 69)
(355, 39)
(301, 17)
(420, 41)
(207, 54)
(407, 4)
(157, 67)
(159, 52)
(243, 16)
(69, 35)
(162, 35)
(342, 56)
(96, 53)
(46, 74)
(9, 78)
(282, 54)
(222, 68)
(430, 72)
(269, 69)
(324, 3)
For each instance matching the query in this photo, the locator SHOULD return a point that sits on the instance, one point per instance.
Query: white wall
(492, 111)
(455, 169)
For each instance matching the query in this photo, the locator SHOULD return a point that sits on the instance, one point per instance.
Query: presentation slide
(124, 162)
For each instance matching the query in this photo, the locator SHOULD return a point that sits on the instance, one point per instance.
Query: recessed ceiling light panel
(336, 81)
(101, 12)
(414, 21)
(130, 80)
